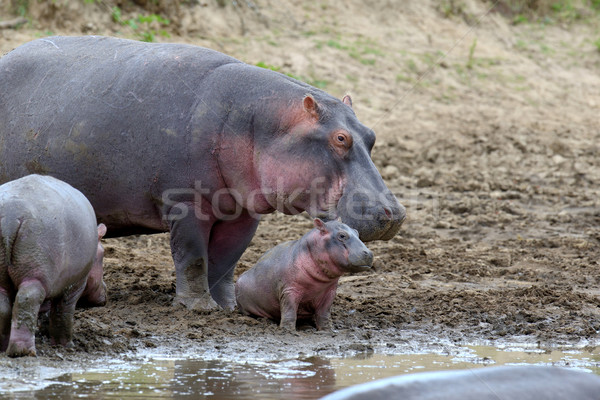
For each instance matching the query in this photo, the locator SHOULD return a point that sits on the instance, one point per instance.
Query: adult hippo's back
(522, 382)
(179, 138)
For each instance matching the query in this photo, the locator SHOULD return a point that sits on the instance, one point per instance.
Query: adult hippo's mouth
(375, 215)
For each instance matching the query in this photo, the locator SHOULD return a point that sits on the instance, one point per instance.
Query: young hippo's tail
(9, 231)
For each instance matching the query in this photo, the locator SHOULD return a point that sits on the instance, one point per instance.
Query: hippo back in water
(490, 383)
(49, 251)
(179, 138)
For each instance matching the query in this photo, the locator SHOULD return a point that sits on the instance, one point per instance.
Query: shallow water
(303, 378)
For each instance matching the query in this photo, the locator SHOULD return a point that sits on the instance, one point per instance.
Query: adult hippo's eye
(341, 141)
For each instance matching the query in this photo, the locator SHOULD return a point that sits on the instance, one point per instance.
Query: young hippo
(49, 251)
(298, 279)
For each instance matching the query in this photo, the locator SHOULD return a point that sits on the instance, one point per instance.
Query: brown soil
(493, 147)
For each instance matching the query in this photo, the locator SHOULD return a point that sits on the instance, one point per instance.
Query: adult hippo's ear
(101, 231)
(311, 106)
(320, 225)
(347, 100)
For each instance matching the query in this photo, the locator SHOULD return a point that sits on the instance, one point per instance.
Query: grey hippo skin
(493, 383)
(49, 251)
(179, 138)
(298, 279)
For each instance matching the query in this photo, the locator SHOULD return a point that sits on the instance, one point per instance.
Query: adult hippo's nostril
(388, 212)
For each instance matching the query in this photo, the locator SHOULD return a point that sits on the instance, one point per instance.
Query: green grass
(319, 83)
(471, 58)
(520, 19)
(352, 78)
(548, 12)
(141, 25)
(521, 44)
(21, 7)
(363, 50)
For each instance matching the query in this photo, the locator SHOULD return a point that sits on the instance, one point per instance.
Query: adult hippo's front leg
(228, 240)
(189, 247)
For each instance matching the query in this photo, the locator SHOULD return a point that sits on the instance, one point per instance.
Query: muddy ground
(488, 131)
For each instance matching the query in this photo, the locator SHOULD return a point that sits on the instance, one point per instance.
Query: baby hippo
(298, 279)
(49, 251)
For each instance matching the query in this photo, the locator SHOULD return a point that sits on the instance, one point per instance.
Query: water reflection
(297, 379)
(304, 378)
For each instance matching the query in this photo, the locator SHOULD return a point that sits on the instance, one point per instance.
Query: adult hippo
(494, 383)
(179, 138)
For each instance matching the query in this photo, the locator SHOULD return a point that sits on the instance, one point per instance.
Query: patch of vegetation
(456, 8)
(471, 58)
(20, 7)
(546, 11)
(520, 19)
(521, 44)
(352, 78)
(143, 25)
(450, 8)
(44, 34)
(319, 83)
(364, 51)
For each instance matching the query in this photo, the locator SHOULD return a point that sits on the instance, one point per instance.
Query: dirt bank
(487, 131)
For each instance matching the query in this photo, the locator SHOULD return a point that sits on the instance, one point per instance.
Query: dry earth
(487, 131)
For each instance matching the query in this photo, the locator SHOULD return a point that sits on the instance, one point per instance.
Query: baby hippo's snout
(360, 259)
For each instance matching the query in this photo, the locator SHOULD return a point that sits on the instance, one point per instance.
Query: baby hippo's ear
(320, 225)
(101, 231)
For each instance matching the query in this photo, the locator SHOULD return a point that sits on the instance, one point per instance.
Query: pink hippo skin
(298, 279)
(49, 251)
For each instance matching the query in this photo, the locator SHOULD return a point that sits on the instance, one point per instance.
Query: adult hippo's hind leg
(228, 240)
(189, 242)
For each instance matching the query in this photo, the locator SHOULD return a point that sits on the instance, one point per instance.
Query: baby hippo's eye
(342, 236)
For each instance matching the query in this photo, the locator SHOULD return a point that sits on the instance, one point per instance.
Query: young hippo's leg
(228, 241)
(288, 303)
(5, 314)
(189, 242)
(94, 294)
(323, 311)
(30, 296)
(61, 316)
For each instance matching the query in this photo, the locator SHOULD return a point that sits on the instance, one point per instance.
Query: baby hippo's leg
(5, 314)
(61, 316)
(323, 311)
(288, 303)
(29, 297)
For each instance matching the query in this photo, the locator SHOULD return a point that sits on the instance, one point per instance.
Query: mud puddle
(155, 375)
